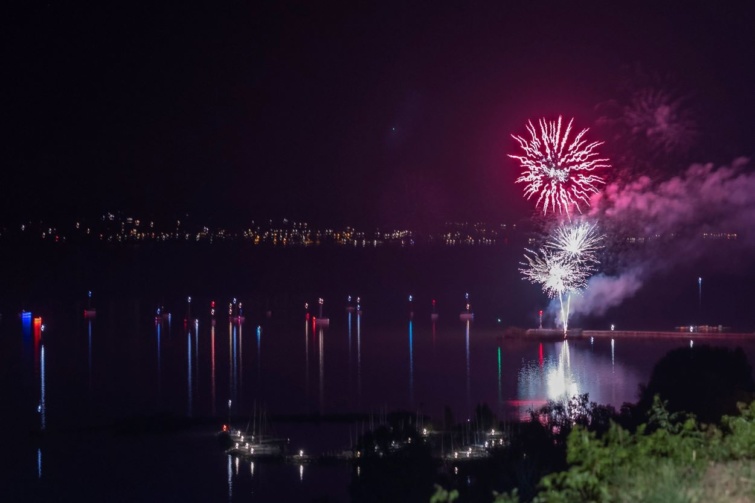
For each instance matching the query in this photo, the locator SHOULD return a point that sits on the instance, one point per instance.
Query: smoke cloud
(693, 211)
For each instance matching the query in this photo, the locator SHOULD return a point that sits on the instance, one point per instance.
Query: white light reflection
(230, 478)
(39, 462)
(561, 383)
(236, 462)
(301, 473)
(251, 468)
(42, 406)
(581, 370)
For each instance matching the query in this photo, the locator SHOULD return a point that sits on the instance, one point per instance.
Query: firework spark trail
(559, 275)
(561, 174)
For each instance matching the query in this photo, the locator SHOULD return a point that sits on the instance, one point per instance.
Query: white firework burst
(557, 273)
(579, 241)
(563, 266)
(558, 169)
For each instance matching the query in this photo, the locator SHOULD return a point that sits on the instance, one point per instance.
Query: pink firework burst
(560, 171)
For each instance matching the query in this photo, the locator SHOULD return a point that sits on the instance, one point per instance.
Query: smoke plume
(669, 224)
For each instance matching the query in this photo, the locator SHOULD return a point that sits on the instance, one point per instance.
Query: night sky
(371, 113)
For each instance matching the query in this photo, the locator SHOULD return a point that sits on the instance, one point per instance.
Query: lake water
(94, 386)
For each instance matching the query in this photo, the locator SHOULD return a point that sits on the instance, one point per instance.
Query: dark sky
(376, 112)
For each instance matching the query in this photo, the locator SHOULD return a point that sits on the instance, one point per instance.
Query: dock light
(301, 454)
(189, 299)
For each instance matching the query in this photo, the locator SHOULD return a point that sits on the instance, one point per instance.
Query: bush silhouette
(706, 381)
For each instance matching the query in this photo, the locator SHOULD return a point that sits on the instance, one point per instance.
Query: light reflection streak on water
(306, 359)
(233, 369)
(196, 351)
(469, 382)
(230, 478)
(230, 361)
(500, 388)
(159, 361)
(241, 362)
(301, 473)
(212, 371)
(350, 371)
(359, 359)
(89, 323)
(42, 406)
(411, 363)
(601, 373)
(236, 462)
(259, 353)
(189, 375)
(561, 383)
(235, 362)
(540, 354)
(39, 462)
(321, 346)
(251, 468)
